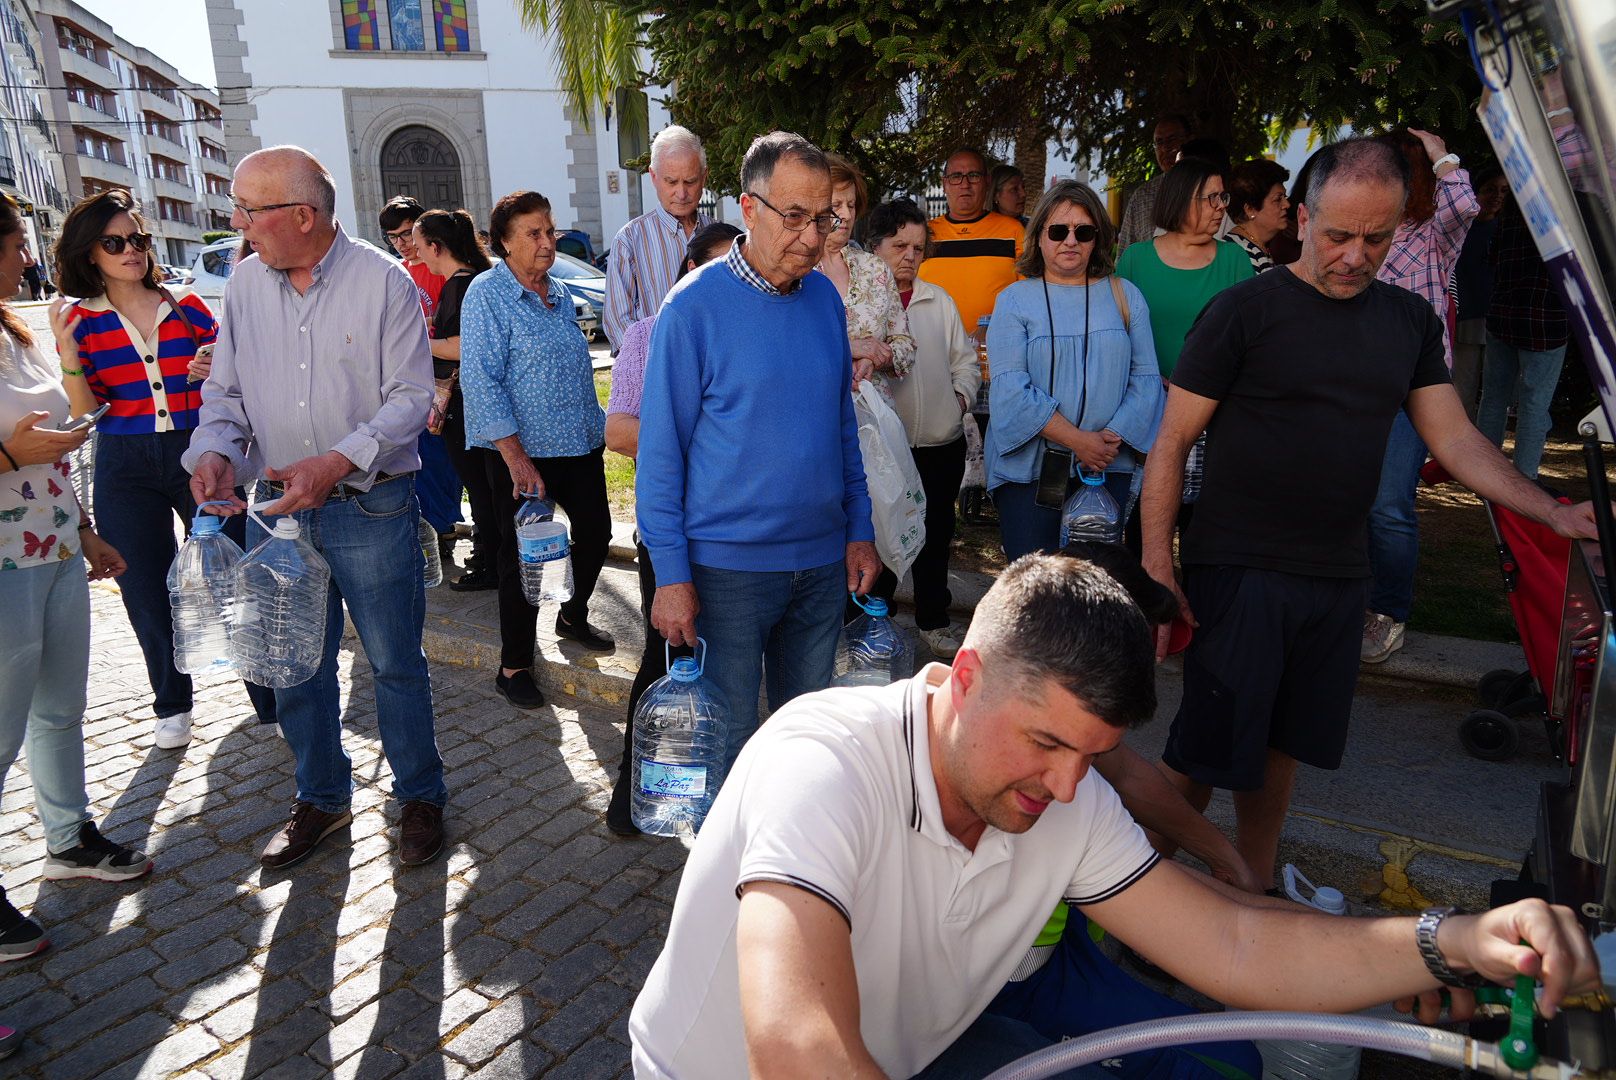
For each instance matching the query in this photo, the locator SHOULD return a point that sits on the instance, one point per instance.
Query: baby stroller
(1534, 561)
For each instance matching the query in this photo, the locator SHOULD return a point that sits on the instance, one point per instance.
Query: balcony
(215, 168)
(156, 101)
(218, 203)
(111, 172)
(169, 228)
(158, 142)
(88, 115)
(173, 189)
(75, 63)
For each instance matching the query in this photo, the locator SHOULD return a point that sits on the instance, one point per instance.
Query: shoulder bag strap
(196, 339)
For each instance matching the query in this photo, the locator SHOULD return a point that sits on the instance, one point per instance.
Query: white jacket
(945, 365)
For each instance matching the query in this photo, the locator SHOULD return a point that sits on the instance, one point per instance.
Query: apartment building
(30, 163)
(126, 118)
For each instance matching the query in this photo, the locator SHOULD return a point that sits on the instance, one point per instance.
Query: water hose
(1410, 1040)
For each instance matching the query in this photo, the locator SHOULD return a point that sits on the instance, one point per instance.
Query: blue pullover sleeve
(669, 406)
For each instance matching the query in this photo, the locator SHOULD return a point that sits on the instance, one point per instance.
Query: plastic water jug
(282, 585)
(1288, 1060)
(201, 595)
(1091, 513)
(680, 731)
(543, 553)
(432, 575)
(873, 650)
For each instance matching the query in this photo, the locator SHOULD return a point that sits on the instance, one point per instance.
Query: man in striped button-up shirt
(646, 252)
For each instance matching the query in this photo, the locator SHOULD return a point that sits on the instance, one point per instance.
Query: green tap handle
(1517, 1048)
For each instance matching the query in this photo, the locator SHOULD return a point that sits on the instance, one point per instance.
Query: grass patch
(619, 469)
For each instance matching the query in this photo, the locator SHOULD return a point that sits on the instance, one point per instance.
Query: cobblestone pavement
(517, 953)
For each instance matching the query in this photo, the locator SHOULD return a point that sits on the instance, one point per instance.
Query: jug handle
(252, 512)
(700, 658)
(864, 607)
(211, 502)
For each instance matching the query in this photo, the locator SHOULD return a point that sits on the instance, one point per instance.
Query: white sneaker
(174, 731)
(1382, 636)
(942, 641)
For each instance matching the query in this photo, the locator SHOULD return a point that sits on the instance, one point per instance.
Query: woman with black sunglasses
(129, 343)
(1075, 382)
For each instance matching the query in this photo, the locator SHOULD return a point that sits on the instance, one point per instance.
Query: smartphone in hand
(79, 423)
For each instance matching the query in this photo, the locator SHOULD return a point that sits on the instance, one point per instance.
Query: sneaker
(420, 833)
(96, 857)
(174, 731)
(1382, 636)
(10, 1040)
(520, 689)
(943, 642)
(301, 835)
(584, 634)
(479, 578)
(20, 936)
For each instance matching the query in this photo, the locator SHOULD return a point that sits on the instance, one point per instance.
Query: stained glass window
(454, 33)
(359, 24)
(404, 17)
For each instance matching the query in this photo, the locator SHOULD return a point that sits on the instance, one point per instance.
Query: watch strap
(1445, 159)
(1425, 929)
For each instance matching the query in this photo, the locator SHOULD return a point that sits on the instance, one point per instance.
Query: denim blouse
(1119, 387)
(525, 370)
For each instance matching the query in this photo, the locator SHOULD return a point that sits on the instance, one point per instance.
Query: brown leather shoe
(420, 833)
(301, 835)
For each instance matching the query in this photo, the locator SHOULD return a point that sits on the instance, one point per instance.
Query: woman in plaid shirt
(1441, 206)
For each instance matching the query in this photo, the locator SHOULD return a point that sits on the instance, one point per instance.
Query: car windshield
(219, 261)
(567, 267)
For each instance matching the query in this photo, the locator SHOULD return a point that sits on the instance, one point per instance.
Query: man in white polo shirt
(870, 875)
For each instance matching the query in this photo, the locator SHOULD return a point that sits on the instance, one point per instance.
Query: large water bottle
(542, 552)
(1091, 513)
(432, 575)
(201, 595)
(1289, 1060)
(278, 633)
(873, 650)
(680, 728)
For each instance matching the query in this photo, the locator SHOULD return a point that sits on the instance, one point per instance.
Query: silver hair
(1359, 159)
(306, 179)
(675, 139)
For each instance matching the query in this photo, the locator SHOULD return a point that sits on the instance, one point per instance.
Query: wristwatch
(1445, 159)
(1425, 935)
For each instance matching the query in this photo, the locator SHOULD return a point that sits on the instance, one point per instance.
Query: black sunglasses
(114, 245)
(1083, 234)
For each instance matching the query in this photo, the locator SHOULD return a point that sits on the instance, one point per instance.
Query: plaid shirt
(1524, 311)
(736, 261)
(1423, 253)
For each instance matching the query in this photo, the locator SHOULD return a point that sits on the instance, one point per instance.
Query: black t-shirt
(446, 316)
(1308, 388)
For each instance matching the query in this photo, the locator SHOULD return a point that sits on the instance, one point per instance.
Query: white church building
(451, 101)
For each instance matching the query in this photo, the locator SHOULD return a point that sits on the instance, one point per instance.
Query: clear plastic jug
(202, 595)
(680, 730)
(873, 650)
(282, 586)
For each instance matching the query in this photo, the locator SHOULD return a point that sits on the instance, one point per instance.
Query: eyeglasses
(396, 238)
(955, 179)
(797, 220)
(249, 211)
(1083, 234)
(1218, 199)
(1167, 142)
(114, 245)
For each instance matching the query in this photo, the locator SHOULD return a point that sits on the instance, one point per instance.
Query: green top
(1176, 297)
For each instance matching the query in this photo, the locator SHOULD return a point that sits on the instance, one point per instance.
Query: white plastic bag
(897, 500)
(976, 475)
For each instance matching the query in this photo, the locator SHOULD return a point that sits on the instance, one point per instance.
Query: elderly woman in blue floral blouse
(530, 396)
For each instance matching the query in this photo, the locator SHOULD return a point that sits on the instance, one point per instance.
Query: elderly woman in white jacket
(931, 400)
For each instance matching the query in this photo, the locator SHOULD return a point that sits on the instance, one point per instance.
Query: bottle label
(674, 781)
(541, 549)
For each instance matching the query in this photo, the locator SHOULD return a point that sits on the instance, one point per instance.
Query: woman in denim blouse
(1103, 401)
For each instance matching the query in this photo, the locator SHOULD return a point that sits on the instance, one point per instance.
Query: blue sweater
(749, 455)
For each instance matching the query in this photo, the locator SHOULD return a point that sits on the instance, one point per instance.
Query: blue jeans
(140, 486)
(1526, 379)
(1025, 527)
(1394, 531)
(370, 541)
(44, 667)
(790, 619)
(992, 1042)
(437, 485)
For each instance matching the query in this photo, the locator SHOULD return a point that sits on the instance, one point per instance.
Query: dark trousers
(653, 661)
(941, 470)
(472, 465)
(139, 486)
(578, 486)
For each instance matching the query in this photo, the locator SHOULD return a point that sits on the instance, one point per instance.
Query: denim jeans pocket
(387, 500)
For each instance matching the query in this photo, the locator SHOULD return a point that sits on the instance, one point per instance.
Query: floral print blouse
(39, 515)
(874, 310)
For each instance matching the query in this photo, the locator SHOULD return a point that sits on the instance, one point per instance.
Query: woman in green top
(1186, 266)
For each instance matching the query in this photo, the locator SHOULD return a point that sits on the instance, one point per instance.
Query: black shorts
(1273, 664)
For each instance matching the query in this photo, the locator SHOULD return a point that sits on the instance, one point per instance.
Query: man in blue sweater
(750, 487)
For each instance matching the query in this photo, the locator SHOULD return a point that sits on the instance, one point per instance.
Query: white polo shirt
(835, 794)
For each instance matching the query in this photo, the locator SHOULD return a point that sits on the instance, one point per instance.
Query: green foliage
(217, 234)
(896, 83)
(596, 44)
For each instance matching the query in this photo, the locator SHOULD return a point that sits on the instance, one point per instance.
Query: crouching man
(878, 861)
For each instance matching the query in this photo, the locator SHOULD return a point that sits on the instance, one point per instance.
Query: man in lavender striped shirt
(647, 252)
(320, 385)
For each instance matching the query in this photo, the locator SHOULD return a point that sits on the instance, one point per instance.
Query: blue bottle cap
(1092, 481)
(875, 606)
(206, 524)
(684, 669)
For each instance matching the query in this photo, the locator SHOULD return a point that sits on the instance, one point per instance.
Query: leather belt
(341, 491)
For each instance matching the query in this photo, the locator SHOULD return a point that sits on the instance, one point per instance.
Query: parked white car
(211, 270)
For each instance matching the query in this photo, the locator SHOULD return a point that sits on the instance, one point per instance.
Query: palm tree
(596, 46)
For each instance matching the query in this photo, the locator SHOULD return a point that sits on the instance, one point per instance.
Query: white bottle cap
(1330, 900)
(287, 529)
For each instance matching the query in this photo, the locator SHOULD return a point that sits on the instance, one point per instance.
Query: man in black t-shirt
(1296, 376)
